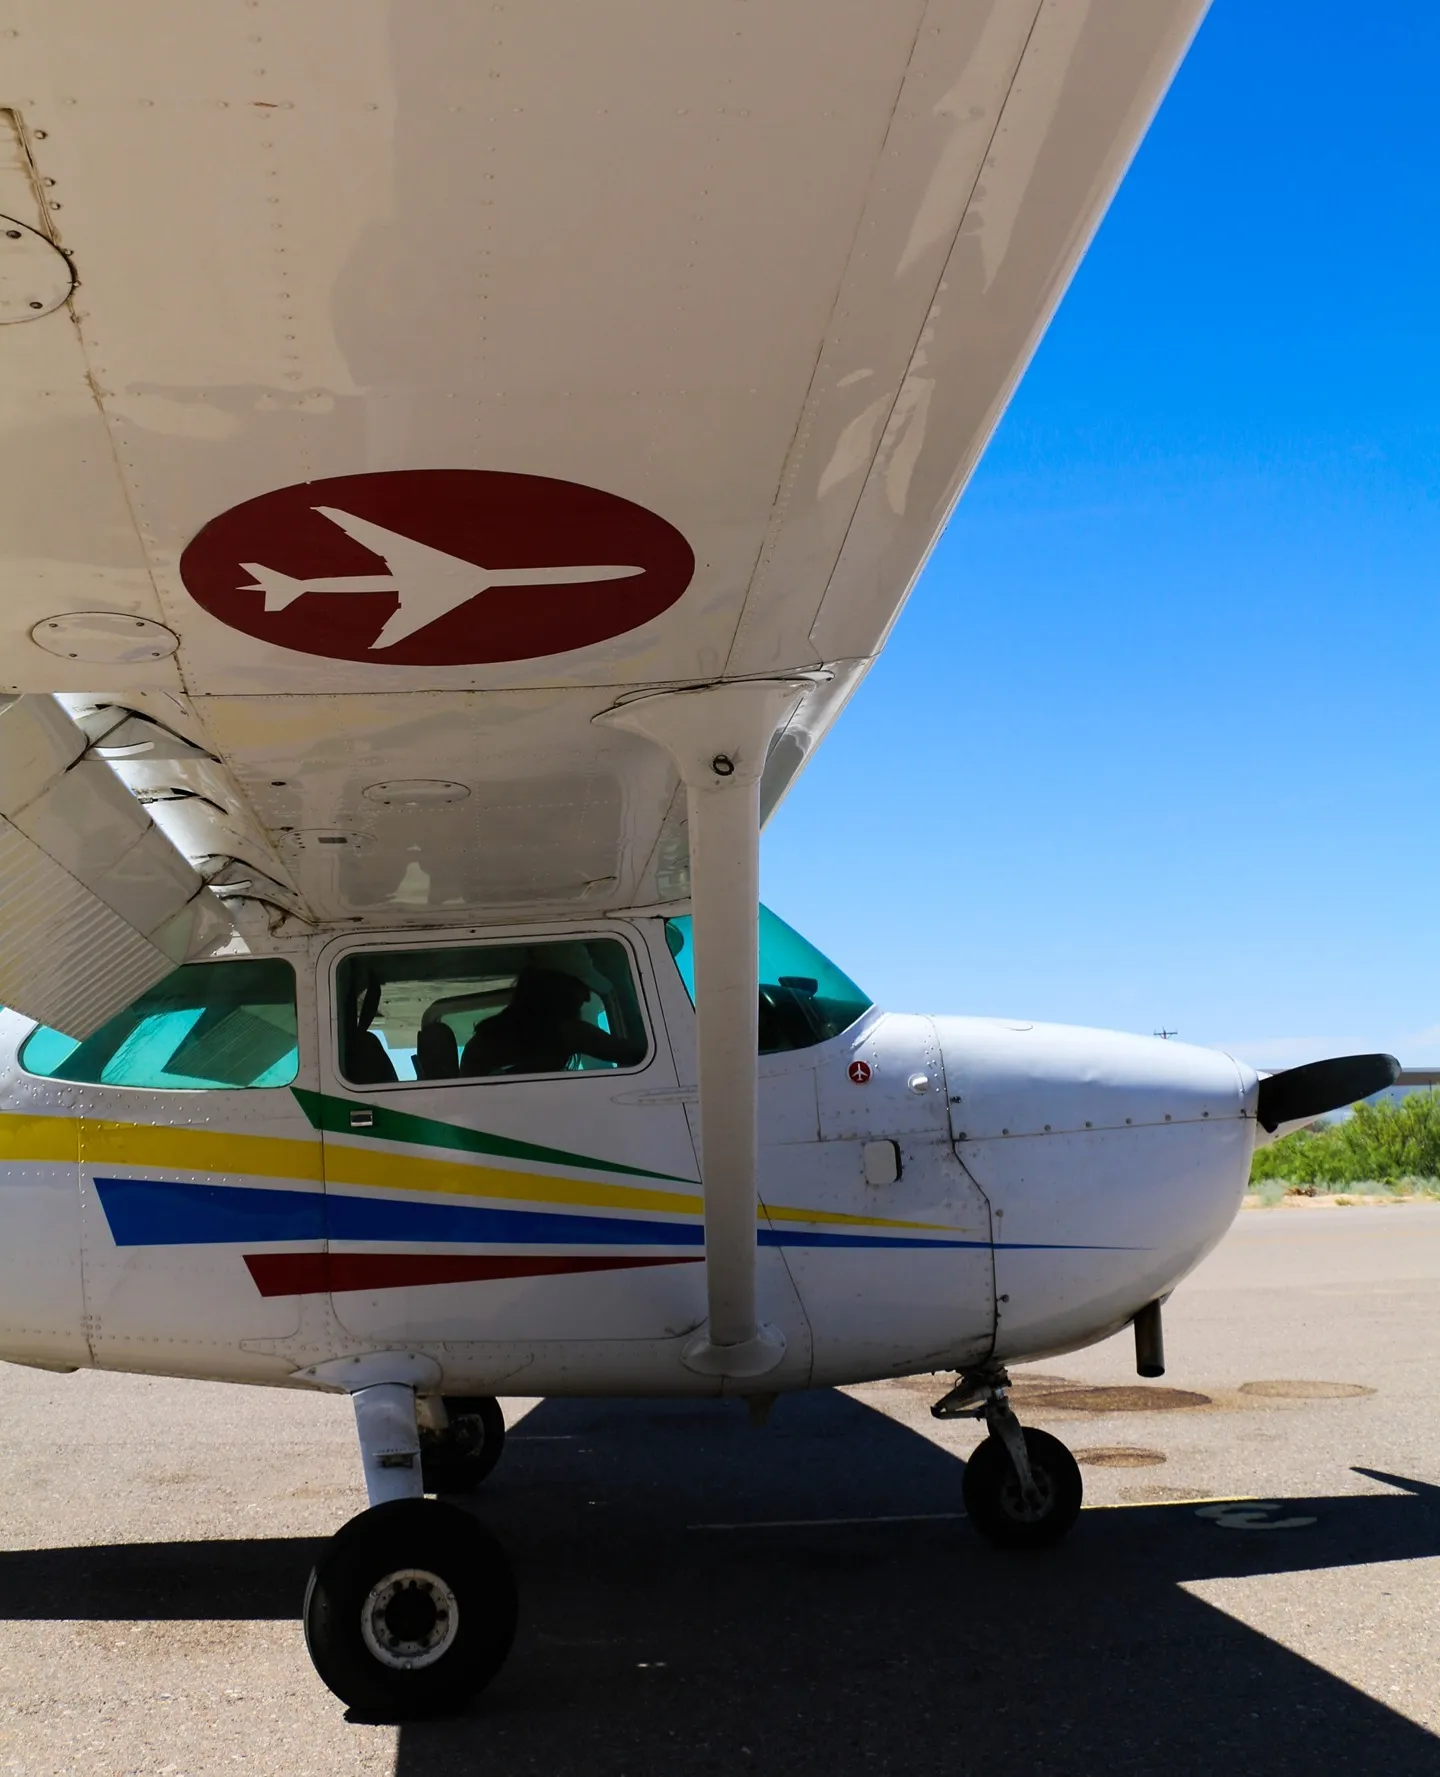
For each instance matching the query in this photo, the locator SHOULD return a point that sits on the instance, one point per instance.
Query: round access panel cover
(436, 567)
(35, 276)
(104, 638)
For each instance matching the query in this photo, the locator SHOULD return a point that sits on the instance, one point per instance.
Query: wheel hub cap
(409, 1619)
(1015, 1503)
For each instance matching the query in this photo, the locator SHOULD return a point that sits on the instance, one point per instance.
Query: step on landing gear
(1022, 1488)
(411, 1608)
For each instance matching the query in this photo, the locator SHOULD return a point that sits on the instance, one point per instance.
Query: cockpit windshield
(804, 998)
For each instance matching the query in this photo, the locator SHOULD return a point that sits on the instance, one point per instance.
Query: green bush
(1384, 1142)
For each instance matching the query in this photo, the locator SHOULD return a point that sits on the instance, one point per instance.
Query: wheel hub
(467, 1435)
(1015, 1503)
(409, 1619)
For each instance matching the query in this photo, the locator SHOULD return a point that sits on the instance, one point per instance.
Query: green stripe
(332, 1115)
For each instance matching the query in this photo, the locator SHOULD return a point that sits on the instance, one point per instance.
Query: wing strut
(718, 737)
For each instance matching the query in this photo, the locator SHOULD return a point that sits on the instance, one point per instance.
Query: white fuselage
(934, 1192)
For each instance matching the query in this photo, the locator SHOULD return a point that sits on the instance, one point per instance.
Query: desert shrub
(1385, 1141)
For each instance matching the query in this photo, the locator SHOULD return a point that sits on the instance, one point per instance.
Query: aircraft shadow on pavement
(658, 1638)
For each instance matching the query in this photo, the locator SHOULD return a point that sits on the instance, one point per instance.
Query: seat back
(437, 1052)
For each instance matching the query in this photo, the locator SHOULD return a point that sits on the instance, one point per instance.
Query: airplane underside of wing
(391, 392)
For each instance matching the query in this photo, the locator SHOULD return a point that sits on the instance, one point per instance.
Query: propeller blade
(1300, 1093)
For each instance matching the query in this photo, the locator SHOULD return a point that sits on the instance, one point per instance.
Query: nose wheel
(1022, 1488)
(1001, 1509)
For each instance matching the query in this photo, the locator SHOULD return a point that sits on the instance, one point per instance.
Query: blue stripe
(1061, 1246)
(792, 1237)
(143, 1212)
(382, 1218)
(146, 1213)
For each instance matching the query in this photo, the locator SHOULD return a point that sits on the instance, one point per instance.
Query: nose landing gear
(1022, 1488)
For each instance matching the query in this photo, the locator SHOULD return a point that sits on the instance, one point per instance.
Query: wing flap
(95, 903)
(66, 958)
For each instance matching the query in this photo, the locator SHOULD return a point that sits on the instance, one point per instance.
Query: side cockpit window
(206, 1025)
(804, 998)
(556, 1006)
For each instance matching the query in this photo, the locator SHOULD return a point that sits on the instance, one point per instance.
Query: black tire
(458, 1459)
(362, 1637)
(992, 1493)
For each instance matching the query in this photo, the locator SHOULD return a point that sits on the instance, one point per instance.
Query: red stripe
(313, 1274)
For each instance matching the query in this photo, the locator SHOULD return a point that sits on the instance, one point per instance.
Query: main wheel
(994, 1502)
(410, 1610)
(459, 1458)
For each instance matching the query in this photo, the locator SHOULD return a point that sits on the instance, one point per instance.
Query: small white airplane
(430, 583)
(565, 1117)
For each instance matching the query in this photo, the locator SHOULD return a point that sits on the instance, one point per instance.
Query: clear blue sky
(1156, 741)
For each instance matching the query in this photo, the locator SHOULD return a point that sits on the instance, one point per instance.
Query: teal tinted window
(804, 998)
(206, 1025)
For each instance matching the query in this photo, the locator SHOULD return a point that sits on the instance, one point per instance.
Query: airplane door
(500, 1160)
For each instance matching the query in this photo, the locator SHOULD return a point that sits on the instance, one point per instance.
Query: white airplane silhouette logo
(430, 583)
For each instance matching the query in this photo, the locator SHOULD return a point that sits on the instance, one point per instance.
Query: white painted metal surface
(766, 275)
(1102, 1156)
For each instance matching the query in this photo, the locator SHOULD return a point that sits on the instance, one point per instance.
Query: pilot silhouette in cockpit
(540, 1030)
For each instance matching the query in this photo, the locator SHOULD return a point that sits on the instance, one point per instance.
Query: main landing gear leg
(1022, 1487)
(411, 1607)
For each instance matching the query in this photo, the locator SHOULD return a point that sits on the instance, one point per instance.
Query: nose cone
(1112, 1163)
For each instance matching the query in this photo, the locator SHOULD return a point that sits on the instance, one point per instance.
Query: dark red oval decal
(436, 567)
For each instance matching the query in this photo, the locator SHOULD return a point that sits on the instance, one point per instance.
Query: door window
(517, 1009)
(206, 1025)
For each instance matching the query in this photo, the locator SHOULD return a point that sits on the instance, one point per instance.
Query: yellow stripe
(198, 1150)
(345, 1165)
(778, 1212)
(40, 1138)
(96, 1143)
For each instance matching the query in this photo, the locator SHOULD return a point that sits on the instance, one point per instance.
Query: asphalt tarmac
(701, 1596)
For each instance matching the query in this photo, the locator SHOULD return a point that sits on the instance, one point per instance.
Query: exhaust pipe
(1149, 1341)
